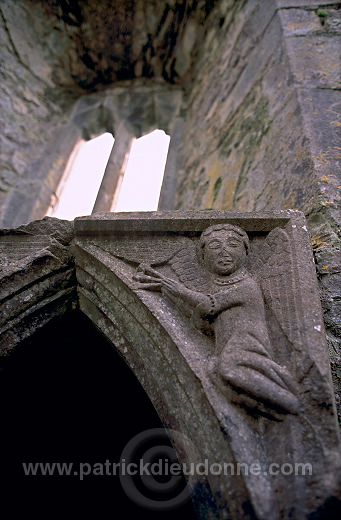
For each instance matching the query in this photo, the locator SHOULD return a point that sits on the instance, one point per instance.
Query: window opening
(137, 190)
(142, 180)
(78, 188)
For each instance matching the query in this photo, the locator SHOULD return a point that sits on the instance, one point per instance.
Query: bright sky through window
(141, 185)
(140, 189)
(81, 186)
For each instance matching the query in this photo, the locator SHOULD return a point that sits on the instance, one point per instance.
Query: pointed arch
(39, 284)
(151, 350)
(47, 270)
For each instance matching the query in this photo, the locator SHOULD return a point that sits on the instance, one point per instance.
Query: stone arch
(62, 403)
(152, 352)
(37, 278)
(48, 270)
(39, 284)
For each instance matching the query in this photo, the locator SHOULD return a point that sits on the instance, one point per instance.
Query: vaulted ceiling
(94, 44)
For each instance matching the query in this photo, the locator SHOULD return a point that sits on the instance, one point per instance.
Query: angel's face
(224, 252)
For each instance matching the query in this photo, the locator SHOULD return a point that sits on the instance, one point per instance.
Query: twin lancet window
(105, 174)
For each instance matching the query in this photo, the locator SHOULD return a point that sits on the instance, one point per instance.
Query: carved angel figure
(228, 303)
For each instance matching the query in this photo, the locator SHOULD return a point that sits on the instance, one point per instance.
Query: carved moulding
(218, 315)
(37, 278)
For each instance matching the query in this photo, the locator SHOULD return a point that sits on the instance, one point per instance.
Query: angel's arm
(174, 290)
(246, 291)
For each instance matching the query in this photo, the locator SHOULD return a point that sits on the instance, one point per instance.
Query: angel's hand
(149, 271)
(148, 282)
(177, 291)
(171, 288)
(152, 280)
(155, 281)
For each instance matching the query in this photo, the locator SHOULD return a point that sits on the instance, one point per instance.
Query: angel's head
(224, 248)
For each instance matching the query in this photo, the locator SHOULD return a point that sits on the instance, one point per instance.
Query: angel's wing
(179, 253)
(142, 249)
(188, 268)
(272, 265)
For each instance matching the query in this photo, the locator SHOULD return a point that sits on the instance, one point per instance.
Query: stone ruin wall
(257, 128)
(262, 128)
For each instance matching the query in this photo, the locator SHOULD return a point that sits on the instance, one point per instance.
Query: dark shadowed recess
(67, 396)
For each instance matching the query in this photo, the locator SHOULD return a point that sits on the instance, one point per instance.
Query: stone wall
(56, 80)
(32, 111)
(262, 122)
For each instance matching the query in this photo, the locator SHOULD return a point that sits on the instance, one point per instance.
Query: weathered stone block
(37, 278)
(213, 326)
